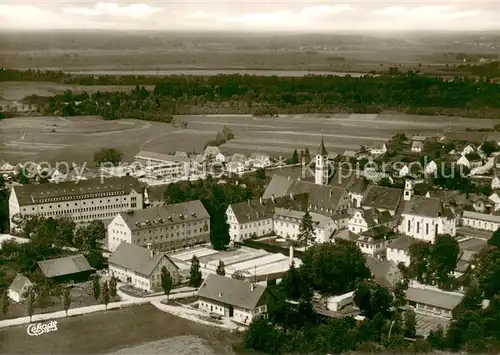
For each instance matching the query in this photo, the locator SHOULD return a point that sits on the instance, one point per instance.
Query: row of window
(481, 224)
(426, 228)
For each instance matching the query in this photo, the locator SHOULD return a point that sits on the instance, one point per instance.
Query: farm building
(74, 268)
(433, 301)
(140, 267)
(238, 300)
(481, 221)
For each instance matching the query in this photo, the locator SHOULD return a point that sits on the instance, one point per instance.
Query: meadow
(75, 139)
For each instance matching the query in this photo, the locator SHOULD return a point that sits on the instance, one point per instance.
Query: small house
(433, 301)
(417, 143)
(468, 150)
(18, 288)
(238, 300)
(431, 168)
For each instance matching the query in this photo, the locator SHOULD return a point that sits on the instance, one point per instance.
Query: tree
(65, 232)
(473, 297)
(295, 157)
(372, 299)
(410, 323)
(5, 302)
(444, 257)
(112, 286)
(489, 147)
(307, 234)
(307, 155)
(108, 156)
(291, 283)
(195, 276)
(42, 295)
(487, 271)
(66, 299)
(495, 239)
(220, 269)
(105, 294)
(334, 268)
(166, 280)
(400, 293)
(30, 303)
(96, 287)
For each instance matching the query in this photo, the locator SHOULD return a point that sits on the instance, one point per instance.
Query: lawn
(109, 331)
(81, 296)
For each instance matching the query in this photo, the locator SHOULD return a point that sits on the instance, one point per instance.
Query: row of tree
(411, 93)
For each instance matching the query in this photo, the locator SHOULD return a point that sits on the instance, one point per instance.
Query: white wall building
(463, 161)
(248, 219)
(167, 227)
(378, 151)
(140, 267)
(83, 202)
(287, 224)
(18, 288)
(398, 250)
(404, 171)
(260, 160)
(425, 217)
(495, 182)
(481, 221)
(240, 301)
(431, 168)
(467, 150)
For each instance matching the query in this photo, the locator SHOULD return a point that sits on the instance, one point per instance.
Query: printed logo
(37, 329)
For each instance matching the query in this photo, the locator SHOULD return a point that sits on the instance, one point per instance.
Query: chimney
(272, 197)
(290, 253)
(291, 195)
(260, 200)
(152, 253)
(289, 177)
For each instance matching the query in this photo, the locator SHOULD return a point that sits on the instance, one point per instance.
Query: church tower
(321, 172)
(408, 194)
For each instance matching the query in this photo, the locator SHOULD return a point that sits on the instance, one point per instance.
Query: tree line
(410, 93)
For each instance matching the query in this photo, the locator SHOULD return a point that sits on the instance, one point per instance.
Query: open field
(75, 139)
(115, 331)
(93, 50)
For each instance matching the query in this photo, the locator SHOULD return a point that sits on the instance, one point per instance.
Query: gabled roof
(402, 243)
(440, 299)
(41, 193)
(230, 291)
(424, 206)
(354, 182)
(321, 149)
(19, 283)
(320, 220)
(345, 234)
(255, 210)
(211, 150)
(64, 266)
(277, 187)
(385, 272)
(418, 138)
(156, 217)
(382, 197)
(481, 216)
(136, 259)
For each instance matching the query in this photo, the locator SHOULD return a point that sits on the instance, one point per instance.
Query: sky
(255, 16)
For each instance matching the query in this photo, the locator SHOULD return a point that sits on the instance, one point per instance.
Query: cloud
(427, 14)
(113, 9)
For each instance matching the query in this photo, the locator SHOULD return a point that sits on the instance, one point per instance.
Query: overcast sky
(244, 15)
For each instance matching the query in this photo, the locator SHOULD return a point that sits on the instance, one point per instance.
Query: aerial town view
(195, 178)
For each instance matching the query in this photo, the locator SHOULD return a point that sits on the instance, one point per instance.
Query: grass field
(111, 331)
(75, 139)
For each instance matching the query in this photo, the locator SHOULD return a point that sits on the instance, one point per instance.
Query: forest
(410, 93)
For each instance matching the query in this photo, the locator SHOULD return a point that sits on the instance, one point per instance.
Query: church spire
(322, 150)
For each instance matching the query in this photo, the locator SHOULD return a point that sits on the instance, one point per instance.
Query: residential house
(7, 170)
(255, 217)
(73, 268)
(433, 301)
(141, 267)
(260, 160)
(431, 168)
(468, 150)
(417, 143)
(158, 165)
(18, 288)
(481, 221)
(346, 235)
(464, 161)
(374, 241)
(480, 202)
(494, 200)
(365, 219)
(382, 198)
(238, 300)
(378, 151)
(385, 272)
(350, 154)
(287, 224)
(424, 218)
(353, 182)
(398, 250)
(214, 153)
(404, 171)
(235, 167)
(495, 182)
(166, 227)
